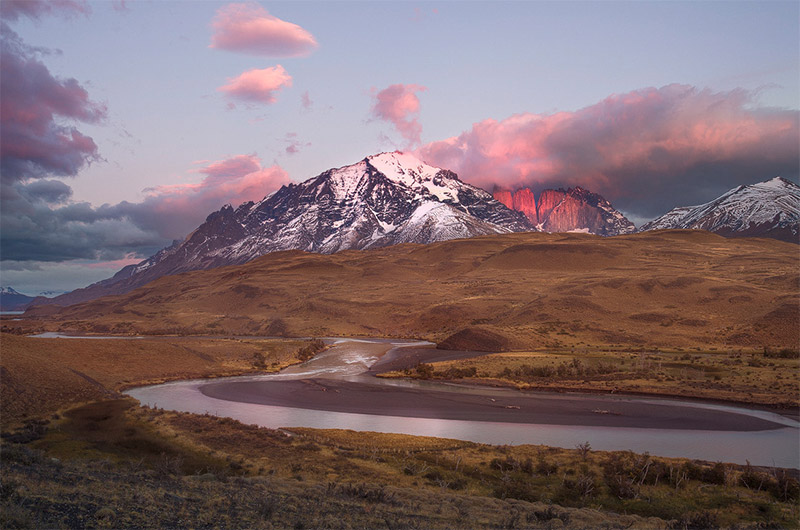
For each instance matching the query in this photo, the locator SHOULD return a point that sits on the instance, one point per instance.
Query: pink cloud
(258, 86)
(129, 259)
(35, 9)
(647, 150)
(177, 209)
(249, 28)
(399, 105)
(40, 224)
(35, 137)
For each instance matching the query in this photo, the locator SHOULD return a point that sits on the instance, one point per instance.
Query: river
(336, 390)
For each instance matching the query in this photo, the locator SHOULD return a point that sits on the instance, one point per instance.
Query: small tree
(584, 449)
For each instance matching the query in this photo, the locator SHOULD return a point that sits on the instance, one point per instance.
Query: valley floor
(75, 454)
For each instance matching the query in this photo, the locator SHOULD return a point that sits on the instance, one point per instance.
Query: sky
(123, 124)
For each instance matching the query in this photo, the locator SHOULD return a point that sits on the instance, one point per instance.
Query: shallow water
(349, 361)
(56, 335)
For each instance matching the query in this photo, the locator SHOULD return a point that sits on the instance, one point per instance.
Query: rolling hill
(662, 288)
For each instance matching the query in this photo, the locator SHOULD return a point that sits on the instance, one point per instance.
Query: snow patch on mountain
(770, 208)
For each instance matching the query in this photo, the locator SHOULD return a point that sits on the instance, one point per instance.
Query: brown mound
(650, 317)
(553, 256)
(475, 339)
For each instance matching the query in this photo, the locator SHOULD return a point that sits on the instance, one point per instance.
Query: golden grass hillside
(532, 290)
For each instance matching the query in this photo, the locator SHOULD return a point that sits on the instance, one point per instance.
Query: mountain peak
(399, 166)
(778, 183)
(383, 199)
(766, 209)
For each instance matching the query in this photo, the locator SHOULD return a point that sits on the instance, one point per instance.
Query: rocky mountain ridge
(765, 209)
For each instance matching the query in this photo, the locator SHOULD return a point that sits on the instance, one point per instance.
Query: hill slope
(668, 288)
(12, 300)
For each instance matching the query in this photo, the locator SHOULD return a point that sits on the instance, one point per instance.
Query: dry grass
(123, 466)
(665, 289)
(41, 376)
(748, 376)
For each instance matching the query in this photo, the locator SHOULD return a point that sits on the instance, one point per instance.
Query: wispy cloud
(36, 9)
(306, 100)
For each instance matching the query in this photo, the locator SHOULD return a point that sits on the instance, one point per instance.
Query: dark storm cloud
(50, 191)
(37, 138)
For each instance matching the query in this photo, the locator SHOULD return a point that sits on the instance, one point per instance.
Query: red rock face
(565, 210)
(572, 213)
(525, 202)
(548, 200)
(505, 197)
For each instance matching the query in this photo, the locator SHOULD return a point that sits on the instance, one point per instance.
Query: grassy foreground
(113, 464)
(759, 377)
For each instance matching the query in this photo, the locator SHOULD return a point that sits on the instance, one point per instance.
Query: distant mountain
(766, 209)
(11, 300)
(571, 210)
(383, 200)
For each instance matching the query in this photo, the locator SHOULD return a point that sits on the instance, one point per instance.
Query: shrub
(424, 371)
(307, 352)
(545, 468)
(701, 520)
(515, 486)
(784, 487)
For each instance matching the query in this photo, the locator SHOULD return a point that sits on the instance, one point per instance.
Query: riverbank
(764, 379)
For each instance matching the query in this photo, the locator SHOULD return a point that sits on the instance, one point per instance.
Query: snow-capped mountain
(12, 300)
(764, 209)
(385, 199)
(570, 210)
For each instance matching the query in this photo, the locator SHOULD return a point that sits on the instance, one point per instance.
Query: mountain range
(393, 198)
(382, 200)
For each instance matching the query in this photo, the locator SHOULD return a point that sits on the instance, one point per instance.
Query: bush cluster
(573, 368)
(307, 352)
